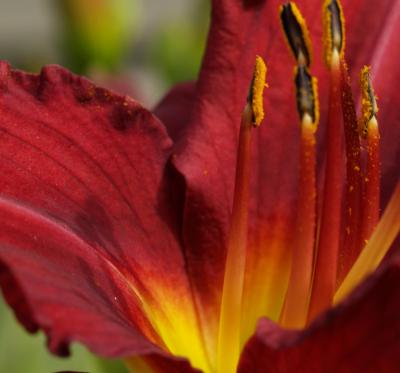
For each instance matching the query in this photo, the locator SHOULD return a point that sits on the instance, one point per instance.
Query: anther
(296, 33)
(306, 94)
(255, 97)
(334, 33)
(368, 101)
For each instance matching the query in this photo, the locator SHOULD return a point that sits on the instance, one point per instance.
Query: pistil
(370, 131)
(295, 309)
(230, 317)
(352, 214)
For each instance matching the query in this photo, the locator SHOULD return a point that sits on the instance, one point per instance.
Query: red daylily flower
(115, 232)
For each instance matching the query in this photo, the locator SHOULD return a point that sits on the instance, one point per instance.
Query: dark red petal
(175, 108)
(89, 219)
(360, 335)
(69, 288)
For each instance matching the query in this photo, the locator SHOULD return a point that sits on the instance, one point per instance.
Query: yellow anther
(369, 105)
(307, 95)
(296, 33)
(334, 30)
(256, 98)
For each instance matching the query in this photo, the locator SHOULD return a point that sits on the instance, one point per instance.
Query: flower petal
(361, 334)
(175, 108)
(91, 219)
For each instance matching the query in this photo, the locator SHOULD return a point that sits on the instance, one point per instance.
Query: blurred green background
(136, 47)
(145, 44)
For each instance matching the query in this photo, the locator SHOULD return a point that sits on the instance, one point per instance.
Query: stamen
(295, 309)
(296, 32)
(334, 32)
(351, 247)
(294, 314)
(370, 130)
(381, 240)
(307, 95)
(325, 274)
(230, 317)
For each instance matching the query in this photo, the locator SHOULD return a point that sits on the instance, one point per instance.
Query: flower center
(326, 245)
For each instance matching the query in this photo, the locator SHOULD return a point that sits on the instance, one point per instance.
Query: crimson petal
(175, 108)
(89, 249)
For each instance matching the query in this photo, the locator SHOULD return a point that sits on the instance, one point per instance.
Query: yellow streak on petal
(258, 85)
(267, 273)
(172, 316)
(174, 319)
(383, 236)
